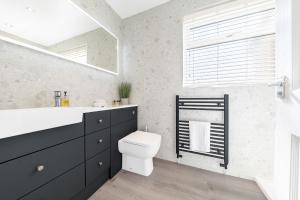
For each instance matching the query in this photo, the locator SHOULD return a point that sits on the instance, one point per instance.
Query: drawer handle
(40, 168)
(100, 164)
(100, 121)
(133, 112)
(100, 141)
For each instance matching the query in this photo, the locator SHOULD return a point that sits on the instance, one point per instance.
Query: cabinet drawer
(18, 146)
(93, 187)
(96, 121)
(62, 188)
(27, 173)
(97, 142)
(97, 166)
(123, 114)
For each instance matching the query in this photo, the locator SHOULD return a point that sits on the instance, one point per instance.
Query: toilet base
(137, 165)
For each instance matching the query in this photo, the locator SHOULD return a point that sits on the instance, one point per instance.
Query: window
(231, 44)
(78, 54)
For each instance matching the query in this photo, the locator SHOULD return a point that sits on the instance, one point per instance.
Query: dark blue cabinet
(69, 162)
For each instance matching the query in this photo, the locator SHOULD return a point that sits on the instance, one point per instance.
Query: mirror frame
(23, 44)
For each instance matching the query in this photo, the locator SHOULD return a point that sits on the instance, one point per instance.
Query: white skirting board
(266, 187)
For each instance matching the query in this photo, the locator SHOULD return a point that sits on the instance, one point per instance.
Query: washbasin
(21, 121)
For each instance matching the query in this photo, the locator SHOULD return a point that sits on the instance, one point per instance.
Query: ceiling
(128, 8)
(49, 22)
(43, 22)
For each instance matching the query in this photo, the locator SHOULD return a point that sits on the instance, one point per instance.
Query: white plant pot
(124, 101)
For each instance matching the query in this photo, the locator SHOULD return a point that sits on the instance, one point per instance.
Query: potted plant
(124, 92)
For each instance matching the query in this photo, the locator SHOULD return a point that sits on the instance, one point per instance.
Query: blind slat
(76, 54)
(237, 49)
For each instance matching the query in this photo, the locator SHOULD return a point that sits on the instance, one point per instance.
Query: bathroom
(150, 52)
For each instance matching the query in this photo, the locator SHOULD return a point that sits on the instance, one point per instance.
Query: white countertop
(22, 121)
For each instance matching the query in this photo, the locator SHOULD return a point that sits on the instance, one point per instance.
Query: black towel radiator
(219, 131)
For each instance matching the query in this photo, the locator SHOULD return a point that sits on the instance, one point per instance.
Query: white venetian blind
(78, 54)
(230, 44)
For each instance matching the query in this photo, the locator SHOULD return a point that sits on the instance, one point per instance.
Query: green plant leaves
(124, 90)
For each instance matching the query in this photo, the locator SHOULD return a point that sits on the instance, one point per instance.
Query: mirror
(60, 28)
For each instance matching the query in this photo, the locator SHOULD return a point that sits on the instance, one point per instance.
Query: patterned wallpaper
(152, 60)
(28, 78)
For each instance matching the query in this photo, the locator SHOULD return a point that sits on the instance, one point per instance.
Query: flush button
(40, 168)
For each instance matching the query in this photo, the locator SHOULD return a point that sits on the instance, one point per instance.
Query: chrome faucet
(57, 98)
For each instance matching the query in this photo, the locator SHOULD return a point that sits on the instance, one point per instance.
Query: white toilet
(138, 150)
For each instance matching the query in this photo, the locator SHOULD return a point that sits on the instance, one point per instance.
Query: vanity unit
(66, 162)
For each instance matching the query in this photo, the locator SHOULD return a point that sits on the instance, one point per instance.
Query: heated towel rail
(219, 131)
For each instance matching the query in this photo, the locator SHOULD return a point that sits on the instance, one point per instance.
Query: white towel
(199, 136)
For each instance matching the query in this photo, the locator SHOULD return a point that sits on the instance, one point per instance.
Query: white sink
(22, 121)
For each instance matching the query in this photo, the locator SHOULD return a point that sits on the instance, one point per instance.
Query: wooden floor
(170, 181)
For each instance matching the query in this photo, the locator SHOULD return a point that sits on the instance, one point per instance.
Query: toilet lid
(142, 138)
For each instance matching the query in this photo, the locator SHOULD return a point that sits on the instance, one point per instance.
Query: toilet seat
(143, 139)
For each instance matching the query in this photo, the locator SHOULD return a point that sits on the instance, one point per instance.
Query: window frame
(222, 8)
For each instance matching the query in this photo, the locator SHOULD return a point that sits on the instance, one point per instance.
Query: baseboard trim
(266, 187)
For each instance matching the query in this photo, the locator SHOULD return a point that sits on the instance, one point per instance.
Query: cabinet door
(118, 132)
(27, 173)
(97, 165)
(122, 115)
(14, 147)
(116, 161)
(62, 188)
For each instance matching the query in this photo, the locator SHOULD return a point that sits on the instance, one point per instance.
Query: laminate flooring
(171, 181)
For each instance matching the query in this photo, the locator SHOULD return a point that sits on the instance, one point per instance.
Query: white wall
(152, 61)
(288, 112)
(28, 78)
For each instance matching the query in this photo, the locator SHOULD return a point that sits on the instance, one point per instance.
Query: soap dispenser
(57, 98)
(65, 102)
